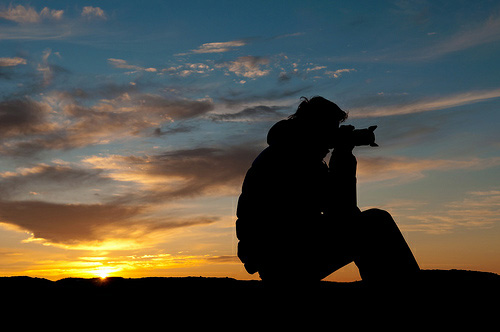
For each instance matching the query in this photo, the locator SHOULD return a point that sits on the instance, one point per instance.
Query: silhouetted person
(298, 217)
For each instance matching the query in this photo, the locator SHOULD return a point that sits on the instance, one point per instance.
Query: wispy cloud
(120, 63)
(486, 32)
(480, 209)
(12, 62)
(296, 34)
(22, 14)
(316, 68)
(47, 69)
(90, 12)
(338, 73)
(425, 105)
(255, 113)
(247, 66)
(217, 47)
(188, 69)
(397, 169)
(180, 173)
(60, 122)
(434, 46)
(45, 180)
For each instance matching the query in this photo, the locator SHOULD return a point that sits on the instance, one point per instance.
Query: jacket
(286, 193)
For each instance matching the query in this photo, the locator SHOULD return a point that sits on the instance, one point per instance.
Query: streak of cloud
(425, 105)
(120, 63)
(12, 62)
(400, 170)
(255, 113)
(216, 47)
(477, 210)
(486, 32)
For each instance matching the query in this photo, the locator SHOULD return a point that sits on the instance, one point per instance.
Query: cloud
(296, 34)
(338, 73)
(22, 14)
(255, 113)
(51, 13)
(48, 24)
(12, 62)
(89, 226)
(180, 173)
(119, 63)
(60, 122)
(47, 70)
(247, 66)
(131, 189)
(435, 45)
(315, 68)
(425, 105)
(487, 32)
(33, 80)
(217, 47)
(52, 180)
(23, 117)
(480, 209)
(64, 223)
(120, 219)
(405, 169)
(78, 225)
(188, 69)
(171, 130)
(90, 12)
(275, 96)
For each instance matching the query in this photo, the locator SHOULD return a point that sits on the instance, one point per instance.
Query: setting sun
(104, 272)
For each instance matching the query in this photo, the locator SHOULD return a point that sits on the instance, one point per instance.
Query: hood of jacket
(290, 135)
(285, 133)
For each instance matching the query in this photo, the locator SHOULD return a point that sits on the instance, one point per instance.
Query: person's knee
(378, 218)
(377, 214)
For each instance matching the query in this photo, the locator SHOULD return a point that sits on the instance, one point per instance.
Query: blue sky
(127, 127)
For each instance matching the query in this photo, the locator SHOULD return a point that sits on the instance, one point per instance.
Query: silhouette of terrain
(433, 283)
(445, 297)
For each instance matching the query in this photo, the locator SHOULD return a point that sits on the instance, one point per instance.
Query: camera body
(357, 137)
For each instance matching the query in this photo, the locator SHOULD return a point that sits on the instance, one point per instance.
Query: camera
(357, 137)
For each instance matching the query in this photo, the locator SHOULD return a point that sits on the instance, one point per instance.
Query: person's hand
(344, 142)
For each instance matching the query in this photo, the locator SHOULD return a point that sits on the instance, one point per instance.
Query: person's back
(272, 207)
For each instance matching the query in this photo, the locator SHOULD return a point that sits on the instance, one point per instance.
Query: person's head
(320, 118)
(318, 110)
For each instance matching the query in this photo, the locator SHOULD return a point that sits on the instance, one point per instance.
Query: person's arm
(342, 187)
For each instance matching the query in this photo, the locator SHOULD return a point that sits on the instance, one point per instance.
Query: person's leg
(382, 252)
(372, 240)
(337, 246)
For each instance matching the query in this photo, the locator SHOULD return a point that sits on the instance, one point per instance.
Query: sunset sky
(126, 127)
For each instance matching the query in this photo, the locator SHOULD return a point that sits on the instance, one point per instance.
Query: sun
(104, 271)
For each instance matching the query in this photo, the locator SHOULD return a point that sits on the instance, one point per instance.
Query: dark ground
(451, 298)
